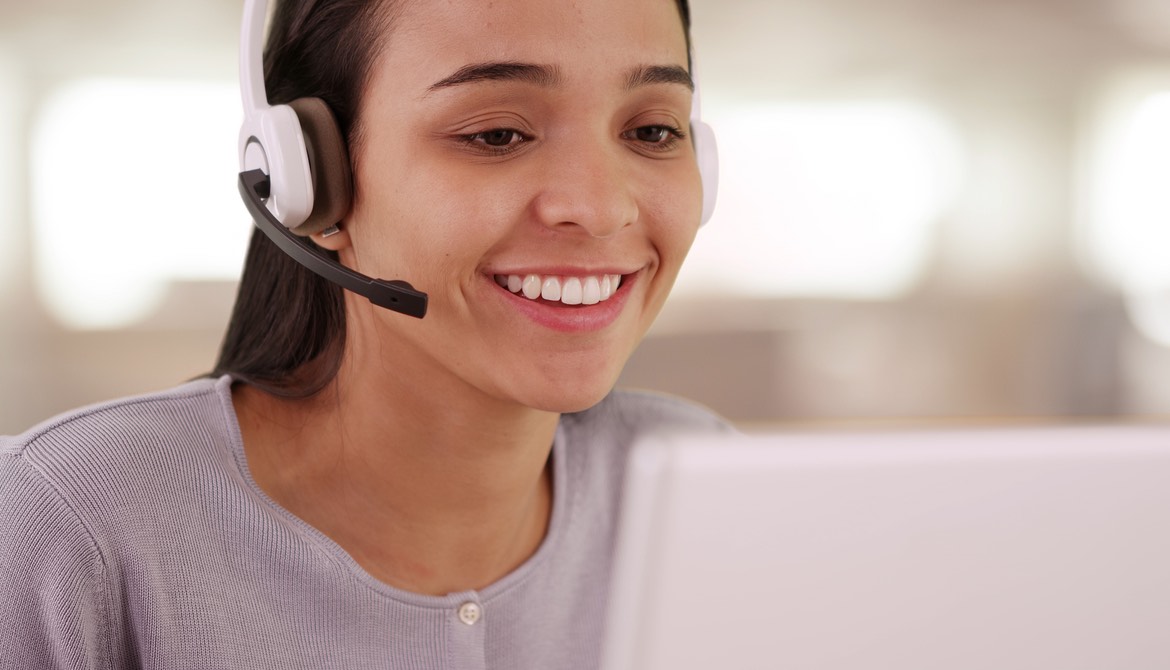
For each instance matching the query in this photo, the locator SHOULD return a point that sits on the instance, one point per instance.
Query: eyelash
(674, 135)
(475, 140)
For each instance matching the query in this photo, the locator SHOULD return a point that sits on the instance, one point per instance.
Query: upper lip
(563, 271)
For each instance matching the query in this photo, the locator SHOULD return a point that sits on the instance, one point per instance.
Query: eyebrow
(659, 74)
(548, 76)
(542, 75)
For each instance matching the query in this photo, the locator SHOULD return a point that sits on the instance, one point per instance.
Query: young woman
(354, 488)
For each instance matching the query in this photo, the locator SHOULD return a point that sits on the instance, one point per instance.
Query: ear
(333, 241)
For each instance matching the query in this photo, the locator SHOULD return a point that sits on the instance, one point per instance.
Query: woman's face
(521, 148)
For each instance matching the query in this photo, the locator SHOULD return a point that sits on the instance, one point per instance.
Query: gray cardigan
(133, 536)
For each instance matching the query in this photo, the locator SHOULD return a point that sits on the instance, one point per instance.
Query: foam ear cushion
(328, 162)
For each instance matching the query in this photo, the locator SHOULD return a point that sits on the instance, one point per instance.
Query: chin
(577, 403)
(562, 396)
(563, 382)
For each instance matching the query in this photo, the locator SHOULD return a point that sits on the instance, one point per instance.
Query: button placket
(467, 632)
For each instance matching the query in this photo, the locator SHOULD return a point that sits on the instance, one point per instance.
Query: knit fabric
(133, 536)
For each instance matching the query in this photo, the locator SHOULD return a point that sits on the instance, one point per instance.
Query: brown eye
(652, 134)
(495, 142)
(660, 138)
(498, 138)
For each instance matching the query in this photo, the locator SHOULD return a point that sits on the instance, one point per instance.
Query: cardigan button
(470, 613)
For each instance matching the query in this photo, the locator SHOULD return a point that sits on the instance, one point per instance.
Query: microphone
(395, 295)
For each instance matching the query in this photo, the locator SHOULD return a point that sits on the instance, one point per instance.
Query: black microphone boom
(395, 295)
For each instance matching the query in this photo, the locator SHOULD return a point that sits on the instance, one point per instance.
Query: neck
(432, 492)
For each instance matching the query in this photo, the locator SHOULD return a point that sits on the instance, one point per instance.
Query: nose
(586, 187)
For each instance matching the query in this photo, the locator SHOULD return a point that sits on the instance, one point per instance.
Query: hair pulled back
(287, 329)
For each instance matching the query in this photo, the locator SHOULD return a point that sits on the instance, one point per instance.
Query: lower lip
(569, 318)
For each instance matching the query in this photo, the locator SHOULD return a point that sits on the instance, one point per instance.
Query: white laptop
(1004, 549)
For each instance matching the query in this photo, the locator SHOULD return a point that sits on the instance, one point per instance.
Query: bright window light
(133, 188)
(1150, 313)
(824, 200)
(1128, 234)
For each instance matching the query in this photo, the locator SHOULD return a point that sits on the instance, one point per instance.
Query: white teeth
(551, 289)
(586, 290)
(571, 291)
(591, 293)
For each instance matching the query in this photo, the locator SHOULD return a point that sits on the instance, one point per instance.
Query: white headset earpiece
(271, 138)
(706, 150)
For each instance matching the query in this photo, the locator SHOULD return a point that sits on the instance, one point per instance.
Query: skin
(427, 458)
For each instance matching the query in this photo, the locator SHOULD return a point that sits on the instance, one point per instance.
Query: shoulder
(626, 415)
(100, 510)
(54, 587)
(120, 423)
(94, 453)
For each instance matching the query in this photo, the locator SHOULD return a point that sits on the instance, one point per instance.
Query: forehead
(432, 38)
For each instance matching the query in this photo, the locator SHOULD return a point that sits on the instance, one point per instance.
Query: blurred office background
(929, 208)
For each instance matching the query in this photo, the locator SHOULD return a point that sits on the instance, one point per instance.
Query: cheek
(414, 221)
(675, 213)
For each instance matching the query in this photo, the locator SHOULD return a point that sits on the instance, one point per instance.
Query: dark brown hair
(287, 329)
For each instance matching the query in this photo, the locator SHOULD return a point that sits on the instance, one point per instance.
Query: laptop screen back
(1004, 548)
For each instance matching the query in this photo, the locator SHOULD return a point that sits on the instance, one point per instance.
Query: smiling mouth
(587, 290)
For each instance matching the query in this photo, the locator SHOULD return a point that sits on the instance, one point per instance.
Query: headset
(295, 174)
